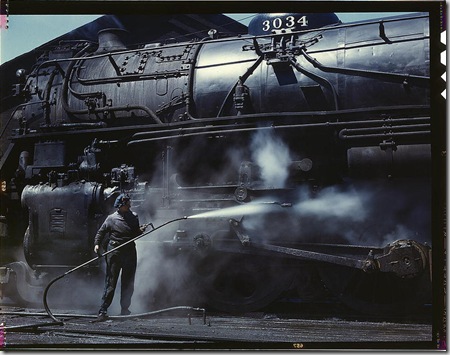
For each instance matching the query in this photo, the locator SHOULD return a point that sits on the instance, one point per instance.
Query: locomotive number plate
(289, 22)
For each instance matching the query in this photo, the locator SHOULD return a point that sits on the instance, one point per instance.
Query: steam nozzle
(286, 204)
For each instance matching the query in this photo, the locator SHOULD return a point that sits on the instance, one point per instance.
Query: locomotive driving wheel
(376, 293)
(241, 283)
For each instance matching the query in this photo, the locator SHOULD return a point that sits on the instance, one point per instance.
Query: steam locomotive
(299, 153)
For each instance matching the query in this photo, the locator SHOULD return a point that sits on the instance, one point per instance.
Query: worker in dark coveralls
(121, 226)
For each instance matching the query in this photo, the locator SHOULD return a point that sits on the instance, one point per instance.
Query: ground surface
(194, 329)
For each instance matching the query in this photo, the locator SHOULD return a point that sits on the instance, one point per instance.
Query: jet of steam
(331, 203)
(247, 209)
(273, 158)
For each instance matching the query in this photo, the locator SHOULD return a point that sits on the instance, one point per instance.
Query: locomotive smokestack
(111, 39)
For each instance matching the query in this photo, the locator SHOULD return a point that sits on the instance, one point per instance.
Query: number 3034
(287, 22)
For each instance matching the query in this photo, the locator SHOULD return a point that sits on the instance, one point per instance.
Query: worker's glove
(144, 226)
(97, 250)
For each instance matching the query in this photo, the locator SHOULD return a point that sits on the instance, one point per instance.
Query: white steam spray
(332, 203)
(273, 158)
(247, 209)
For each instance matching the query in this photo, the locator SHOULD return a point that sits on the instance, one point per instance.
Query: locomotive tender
(299, 152)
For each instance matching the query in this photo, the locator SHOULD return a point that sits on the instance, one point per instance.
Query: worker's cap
(122, 200)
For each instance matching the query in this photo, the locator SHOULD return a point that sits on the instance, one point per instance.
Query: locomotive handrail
(56, 62)
(367, 73)
(371, 44)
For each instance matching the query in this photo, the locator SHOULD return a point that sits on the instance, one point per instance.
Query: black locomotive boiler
(300, 154)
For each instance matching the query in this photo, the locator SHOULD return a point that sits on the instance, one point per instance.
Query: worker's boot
(101, 317)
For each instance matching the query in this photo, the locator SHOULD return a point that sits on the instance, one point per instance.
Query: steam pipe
(16, 109)
(66, 88)
(179, 130)
(67, 77)
(410, 134)
(407, 128)
(189, 95)
(241, 80)
(205, 131)
(47, 94)
(316, 78)
(44, 298)
(130, 77)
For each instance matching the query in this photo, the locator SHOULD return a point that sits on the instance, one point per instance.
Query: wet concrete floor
(179, 330)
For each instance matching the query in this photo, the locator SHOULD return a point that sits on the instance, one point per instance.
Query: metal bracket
(4, 275)
(236, 227)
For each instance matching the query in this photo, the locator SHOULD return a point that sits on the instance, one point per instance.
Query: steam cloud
(360, 213)
(333, 203)
(272, 156)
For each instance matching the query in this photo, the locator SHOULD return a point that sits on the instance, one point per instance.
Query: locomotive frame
(59, 174)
